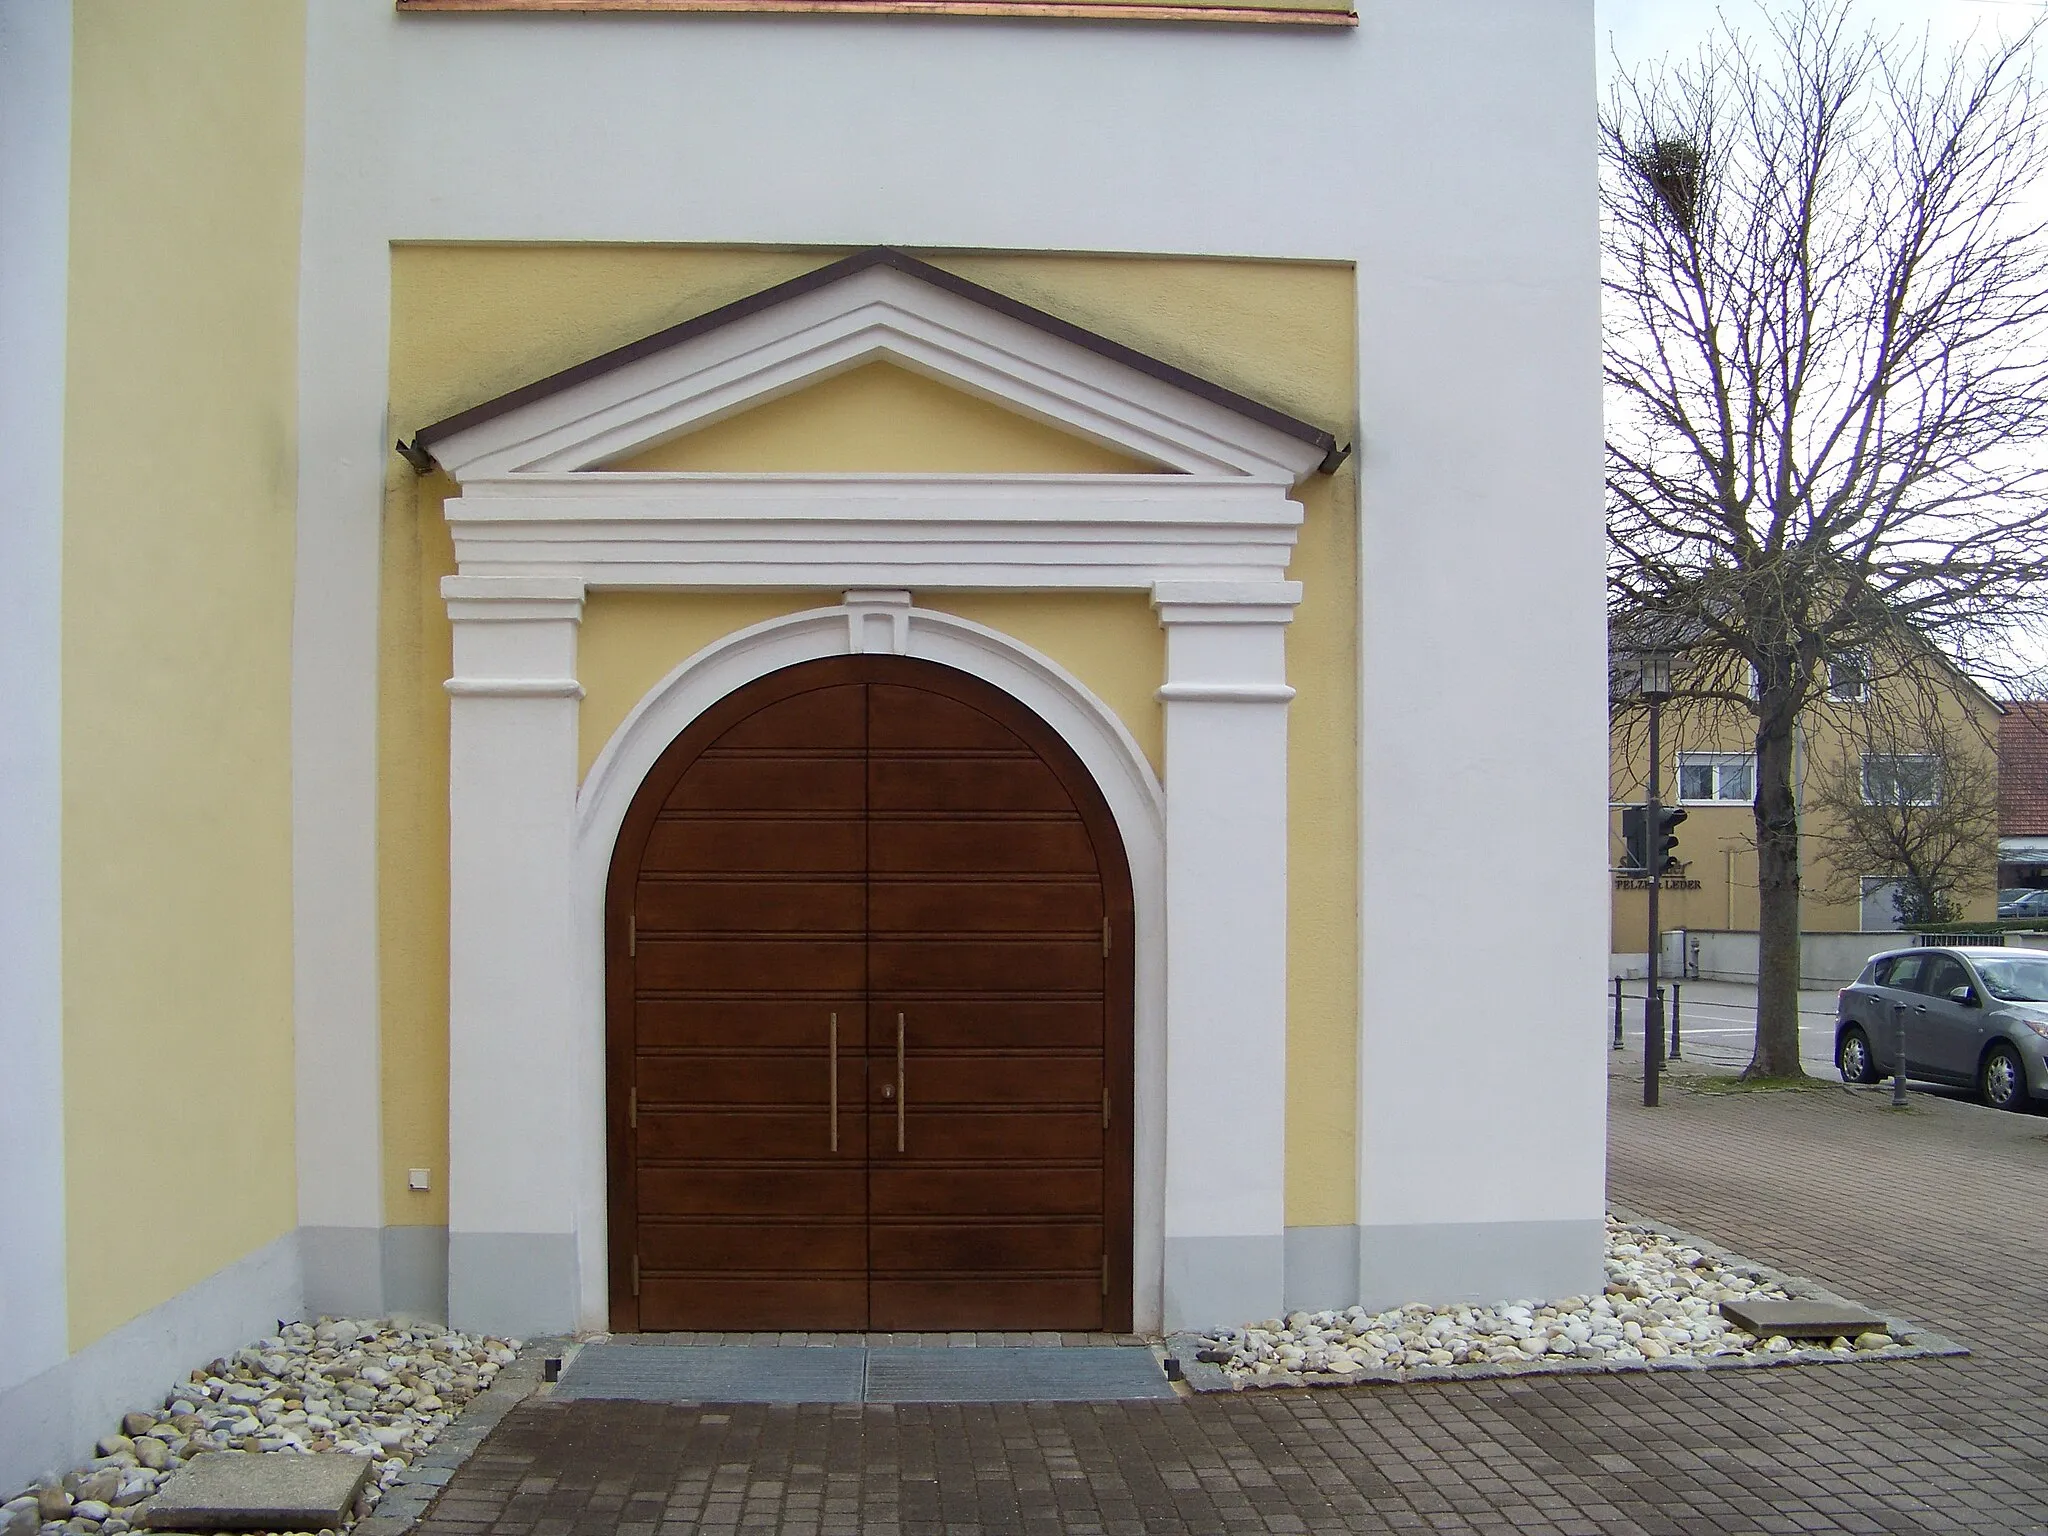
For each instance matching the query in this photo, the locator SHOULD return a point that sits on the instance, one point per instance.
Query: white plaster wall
(35, 154)
(1484, 721)
(1445, 148)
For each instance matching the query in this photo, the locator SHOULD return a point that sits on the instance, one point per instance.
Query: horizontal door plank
(773, 905)
(991, 1023)
(984, 1247)
(910, 1191)
(757, 1303)
(707, 1248)
(756, 1192)
(940, 846)
(964, 784)
(751, 782)
(986, 1304)
(930, 1080)
(798, 963)
(789, 1083)
(708, 1135)
(1062, 1135)
(784, 845)
(986, 965)
(764, 1023)
(908, 905)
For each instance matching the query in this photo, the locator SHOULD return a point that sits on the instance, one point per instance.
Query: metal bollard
(1653, 1045)
(1675, 1000)
(1617, 1013)
(1899, 1072)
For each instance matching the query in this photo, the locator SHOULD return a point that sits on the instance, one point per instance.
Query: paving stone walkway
(1940, 1213)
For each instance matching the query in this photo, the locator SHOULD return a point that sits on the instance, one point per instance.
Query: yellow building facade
(1708, 769)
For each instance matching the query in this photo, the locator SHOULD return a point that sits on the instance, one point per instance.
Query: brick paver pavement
(1940, 1214)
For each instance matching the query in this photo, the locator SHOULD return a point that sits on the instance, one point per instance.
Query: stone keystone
(260, 1491)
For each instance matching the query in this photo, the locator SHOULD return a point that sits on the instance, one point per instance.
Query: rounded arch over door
(869, 1016)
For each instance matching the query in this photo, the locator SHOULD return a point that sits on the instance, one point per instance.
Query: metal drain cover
(742, 1373)
(1022, 1375)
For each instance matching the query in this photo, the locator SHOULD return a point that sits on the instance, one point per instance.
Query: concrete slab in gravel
(255, 1491)
(1802, 1319)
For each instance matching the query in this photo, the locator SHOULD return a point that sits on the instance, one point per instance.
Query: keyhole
(888, 1092)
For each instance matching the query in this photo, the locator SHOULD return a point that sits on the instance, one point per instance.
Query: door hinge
(633, 1108)
(632, 934)
(1105, 1109)
(1105, 1275)
(1105, 938)
(636, 1274)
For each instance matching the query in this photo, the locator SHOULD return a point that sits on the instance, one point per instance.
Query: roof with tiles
(2023, 769)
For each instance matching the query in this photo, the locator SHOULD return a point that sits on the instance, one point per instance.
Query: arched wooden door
(869, 1040)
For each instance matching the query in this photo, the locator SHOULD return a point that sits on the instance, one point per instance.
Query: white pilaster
(512, 1044)
(1226, 698)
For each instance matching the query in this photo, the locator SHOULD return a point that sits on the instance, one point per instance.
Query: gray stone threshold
(1915, 1342)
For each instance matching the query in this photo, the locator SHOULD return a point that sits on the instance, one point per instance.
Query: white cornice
(532, 508)
(1118, 531)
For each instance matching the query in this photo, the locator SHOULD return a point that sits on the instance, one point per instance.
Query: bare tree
(1911, 796)
(1827, 388)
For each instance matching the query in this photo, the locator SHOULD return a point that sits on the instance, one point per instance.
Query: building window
(1714, 777)
(1900, 779)
(1849, 678)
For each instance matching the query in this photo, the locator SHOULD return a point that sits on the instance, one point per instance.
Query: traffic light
(1636, 838)
(1635, 842)
(1666, 840)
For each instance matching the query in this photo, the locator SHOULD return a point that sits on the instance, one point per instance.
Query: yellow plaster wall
(178, 501)
(470, 322)
(881, 419)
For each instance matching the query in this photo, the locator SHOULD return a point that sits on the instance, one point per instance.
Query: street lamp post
(1654, 684)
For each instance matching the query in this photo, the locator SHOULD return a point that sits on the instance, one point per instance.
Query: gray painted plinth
(252, 1491)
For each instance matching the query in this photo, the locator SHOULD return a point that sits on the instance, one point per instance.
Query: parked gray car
(1974, 1018)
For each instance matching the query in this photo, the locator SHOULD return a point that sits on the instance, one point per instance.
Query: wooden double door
(869, 1038)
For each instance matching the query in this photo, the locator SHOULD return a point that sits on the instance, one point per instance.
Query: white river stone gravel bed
(381, 1390)
(1660, 1303)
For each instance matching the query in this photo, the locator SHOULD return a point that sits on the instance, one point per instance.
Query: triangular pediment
(1026, 390)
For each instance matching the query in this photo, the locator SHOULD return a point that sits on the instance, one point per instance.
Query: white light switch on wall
(416, 1178)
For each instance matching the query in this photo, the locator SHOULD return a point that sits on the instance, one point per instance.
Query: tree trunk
(1777, 871)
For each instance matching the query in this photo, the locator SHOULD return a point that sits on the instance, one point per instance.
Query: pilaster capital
(1226, 602)
(512, 599)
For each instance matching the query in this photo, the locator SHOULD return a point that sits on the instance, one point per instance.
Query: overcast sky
(1643, 29)
(1638, 31)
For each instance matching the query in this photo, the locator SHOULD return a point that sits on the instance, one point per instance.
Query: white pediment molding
(536, 500)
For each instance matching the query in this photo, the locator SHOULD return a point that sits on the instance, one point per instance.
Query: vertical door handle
(835, 1081)
(899, 1082)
